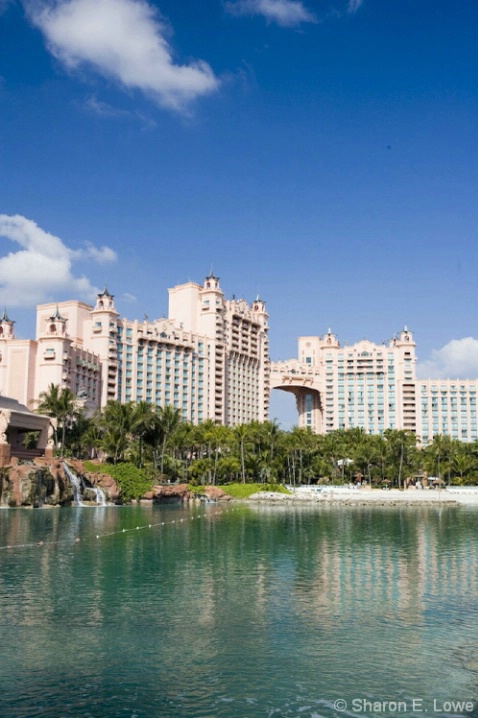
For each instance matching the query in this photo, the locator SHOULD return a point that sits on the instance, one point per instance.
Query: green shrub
(243, 491)
(197, 490)
(133, 482)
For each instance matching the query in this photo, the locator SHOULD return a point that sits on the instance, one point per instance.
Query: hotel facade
(375, 387)
(210, 359)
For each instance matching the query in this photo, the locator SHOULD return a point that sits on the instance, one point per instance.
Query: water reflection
(235, 613)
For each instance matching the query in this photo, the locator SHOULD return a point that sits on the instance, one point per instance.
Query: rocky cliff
(44, 483)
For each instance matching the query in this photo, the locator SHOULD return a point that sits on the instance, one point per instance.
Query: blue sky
(323, 154)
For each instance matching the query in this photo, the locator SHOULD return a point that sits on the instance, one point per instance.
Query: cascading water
(100, 496)
(75, 484)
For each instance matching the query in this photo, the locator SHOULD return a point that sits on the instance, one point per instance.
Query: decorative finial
(57, 315)
(4, 317)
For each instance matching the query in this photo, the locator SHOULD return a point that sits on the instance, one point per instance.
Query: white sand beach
(451, 496)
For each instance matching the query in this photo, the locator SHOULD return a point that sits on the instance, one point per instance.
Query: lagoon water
(238, 612)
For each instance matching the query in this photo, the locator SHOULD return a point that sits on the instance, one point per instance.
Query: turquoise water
(238, 611)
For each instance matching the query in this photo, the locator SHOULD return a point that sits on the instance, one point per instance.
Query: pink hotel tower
(210, 359)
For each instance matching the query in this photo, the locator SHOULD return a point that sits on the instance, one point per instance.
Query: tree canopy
(157, 439)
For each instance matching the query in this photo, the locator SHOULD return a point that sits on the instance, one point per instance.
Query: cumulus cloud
(102, 255)
(122, 40)
(42, 269)
(456, 360)
(287, 13)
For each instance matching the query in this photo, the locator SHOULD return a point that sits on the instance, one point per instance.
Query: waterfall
(75, 484)
(100, 496)
(78, 486)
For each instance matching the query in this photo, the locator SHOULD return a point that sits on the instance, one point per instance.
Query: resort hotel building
(374, 386)
(210, 359)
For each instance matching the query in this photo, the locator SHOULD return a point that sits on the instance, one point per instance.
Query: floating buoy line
(77, 539)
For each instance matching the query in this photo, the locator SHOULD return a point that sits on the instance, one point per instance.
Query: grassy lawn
(243, 491)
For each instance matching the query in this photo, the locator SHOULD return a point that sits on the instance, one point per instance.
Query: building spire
(57, 315)
(4, 317)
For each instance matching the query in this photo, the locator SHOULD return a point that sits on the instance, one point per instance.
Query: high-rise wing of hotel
(210, 359)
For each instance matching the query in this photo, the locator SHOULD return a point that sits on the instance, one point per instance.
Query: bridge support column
(309, 407)
(310, 411)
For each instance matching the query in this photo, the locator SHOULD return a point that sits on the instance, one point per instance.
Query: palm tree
(182, 443)
(242, 435)
(60, 404)
(228, 468)
(116, 423)
(381, 455)
(271, 432)
(169, 419)
(93, 437)
(77, 437)
(338, 451)
(403, 450)
(439, 455)
(463, 463)
(287, 451)
(49, 402)
(143, 420)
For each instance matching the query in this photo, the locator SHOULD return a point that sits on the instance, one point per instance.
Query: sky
(323, 154)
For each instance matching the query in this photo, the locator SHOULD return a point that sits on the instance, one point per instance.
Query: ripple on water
(248, 613)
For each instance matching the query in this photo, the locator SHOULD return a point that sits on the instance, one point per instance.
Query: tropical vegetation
(163, 447)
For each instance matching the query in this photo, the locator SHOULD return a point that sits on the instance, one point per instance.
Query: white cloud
(456, 360)
(103, 109)
(102, 255)
(129, 297)
(287, 13)
(42, 269)
(354, 5)
(123, 40)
